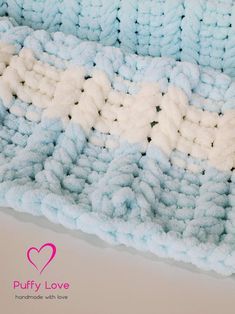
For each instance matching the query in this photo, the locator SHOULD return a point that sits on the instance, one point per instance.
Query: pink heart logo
(51, 246)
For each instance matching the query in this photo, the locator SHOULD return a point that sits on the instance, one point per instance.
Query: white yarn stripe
(167, 120)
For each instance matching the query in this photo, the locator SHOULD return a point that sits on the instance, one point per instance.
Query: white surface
(104, 279)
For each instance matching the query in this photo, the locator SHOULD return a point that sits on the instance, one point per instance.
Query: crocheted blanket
(201, 32)
(137, 150)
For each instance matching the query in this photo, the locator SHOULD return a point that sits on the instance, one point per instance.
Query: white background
(104, 279)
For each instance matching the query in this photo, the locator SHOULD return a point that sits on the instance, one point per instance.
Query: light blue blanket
(201, 32)
(139, 150)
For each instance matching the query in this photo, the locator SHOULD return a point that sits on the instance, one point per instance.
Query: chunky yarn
(139, 150)
(201, 32)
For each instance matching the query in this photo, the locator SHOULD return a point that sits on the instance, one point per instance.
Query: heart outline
(51, 245)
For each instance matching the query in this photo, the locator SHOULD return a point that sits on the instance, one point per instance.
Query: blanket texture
(138, 150)
(199, 31)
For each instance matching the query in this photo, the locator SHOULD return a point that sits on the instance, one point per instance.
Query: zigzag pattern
(167, 121)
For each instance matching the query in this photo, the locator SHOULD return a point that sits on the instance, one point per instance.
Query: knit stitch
(137, 150)
(201, 32)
